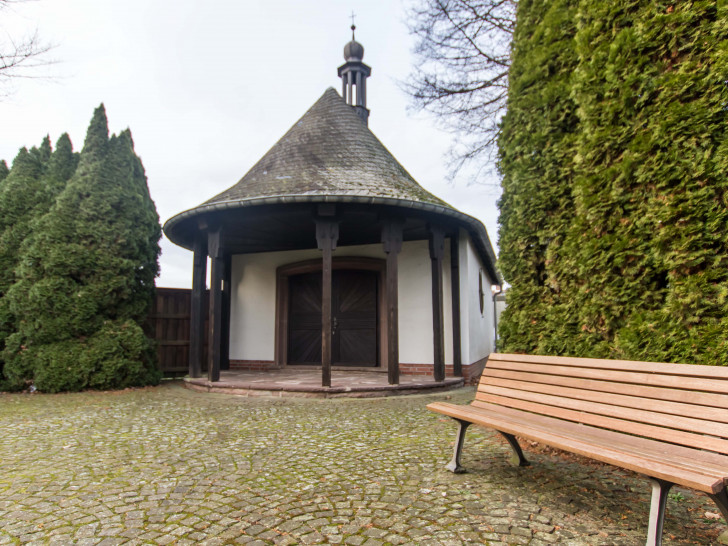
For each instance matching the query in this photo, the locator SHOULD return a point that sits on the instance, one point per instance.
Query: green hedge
(537, 139)
(84, 281)
(641, 269)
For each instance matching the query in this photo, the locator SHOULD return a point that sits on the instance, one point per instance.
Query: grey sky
(208, 87)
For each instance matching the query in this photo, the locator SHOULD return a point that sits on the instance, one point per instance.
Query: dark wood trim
(457, 359)
(392, 244)
(437, 251)
(327, 234)
(226, 304)
(338, 262)
(197, 298)
(310, 266)
(217, 275)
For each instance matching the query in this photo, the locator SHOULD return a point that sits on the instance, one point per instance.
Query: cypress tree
(649, 241)
(537, 138)
(17, 199)
(37, 178)
(86, 276)
(632, 262)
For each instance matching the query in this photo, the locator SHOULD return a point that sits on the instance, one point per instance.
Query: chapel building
(327, 254)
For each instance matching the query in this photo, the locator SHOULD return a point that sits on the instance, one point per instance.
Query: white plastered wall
(253, 303)
(477, 331)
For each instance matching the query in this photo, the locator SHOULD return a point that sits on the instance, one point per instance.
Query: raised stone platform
(307, 384)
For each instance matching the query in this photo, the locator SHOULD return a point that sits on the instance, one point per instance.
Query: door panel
(354, 317)
(304, 319)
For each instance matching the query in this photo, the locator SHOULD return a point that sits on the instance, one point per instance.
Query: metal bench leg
(454, 465)
(721, 499)
(518, 458)
(660, 488)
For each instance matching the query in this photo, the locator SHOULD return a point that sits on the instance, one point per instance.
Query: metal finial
(353, 26)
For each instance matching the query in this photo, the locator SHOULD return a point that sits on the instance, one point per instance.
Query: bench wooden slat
(628, 414)
(659, 393)
(639, 447)
(668, 421)
(671, 381)
(662, 368)
(707, 462)
(614, 456)
(650, 431)
(662, 406)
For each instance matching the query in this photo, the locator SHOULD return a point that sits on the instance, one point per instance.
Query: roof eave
(474, 226)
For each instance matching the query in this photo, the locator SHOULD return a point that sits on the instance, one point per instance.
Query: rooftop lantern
(354, 74)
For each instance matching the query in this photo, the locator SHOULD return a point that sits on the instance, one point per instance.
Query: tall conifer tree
(3, 170)
(86, 277)
(23, 197)
(649, 241)
(535, 144)
(642, 271)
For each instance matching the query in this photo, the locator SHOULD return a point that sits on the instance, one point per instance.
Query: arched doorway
(358, 319)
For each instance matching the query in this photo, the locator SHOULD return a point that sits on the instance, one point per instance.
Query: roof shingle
(330, 152)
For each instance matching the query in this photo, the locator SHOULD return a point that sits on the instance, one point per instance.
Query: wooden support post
(437, 251)
(217, 270)
(226, 297)
(197, 310)
(457, 358)
(392, 243)
(327, 234)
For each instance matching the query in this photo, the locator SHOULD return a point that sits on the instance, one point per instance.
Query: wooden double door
(354, 304)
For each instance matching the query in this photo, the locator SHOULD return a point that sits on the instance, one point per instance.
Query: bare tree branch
(461, 75)
(20, 57)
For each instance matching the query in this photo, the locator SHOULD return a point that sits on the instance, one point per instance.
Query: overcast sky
(207, 87)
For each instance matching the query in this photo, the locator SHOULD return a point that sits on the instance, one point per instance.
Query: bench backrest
(682, 404)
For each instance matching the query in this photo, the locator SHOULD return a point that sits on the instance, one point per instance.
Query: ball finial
(353, 51)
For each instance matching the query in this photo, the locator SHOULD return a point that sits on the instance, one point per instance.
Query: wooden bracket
(437, 242)
(392, 235)
(327, 234)
(215, 243)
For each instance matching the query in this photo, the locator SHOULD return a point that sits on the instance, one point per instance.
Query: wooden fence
(169, 322)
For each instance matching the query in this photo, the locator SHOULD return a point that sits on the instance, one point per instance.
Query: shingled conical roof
(328, 156)
(328, 152)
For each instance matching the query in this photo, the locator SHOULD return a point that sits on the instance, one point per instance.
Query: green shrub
(85, 279)
(641, 269)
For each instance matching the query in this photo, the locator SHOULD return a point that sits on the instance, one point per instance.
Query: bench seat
(648, 457)
(668, 422)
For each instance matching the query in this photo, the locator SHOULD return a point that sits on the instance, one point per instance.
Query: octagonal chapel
(328, 255)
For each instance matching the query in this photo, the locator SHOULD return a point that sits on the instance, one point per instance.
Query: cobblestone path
(169, 466)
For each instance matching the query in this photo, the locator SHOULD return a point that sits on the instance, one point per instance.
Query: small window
(481, 294)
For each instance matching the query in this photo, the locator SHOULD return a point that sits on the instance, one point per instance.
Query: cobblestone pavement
(169, 466)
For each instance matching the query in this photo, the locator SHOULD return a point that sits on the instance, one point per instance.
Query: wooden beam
(197, 310)
(437, 251)
(217, 271)
(457, 358)
(392, 243)
(327, 234)
(226, 300)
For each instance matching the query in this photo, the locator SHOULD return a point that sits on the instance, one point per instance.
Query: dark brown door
(304, 319)
(354, 311)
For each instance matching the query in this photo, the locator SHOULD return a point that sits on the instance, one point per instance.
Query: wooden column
(217, 275)
(437, 251)
(327, 234)
(226, 297)
(392, 243)
(197, 310)
(457, 359)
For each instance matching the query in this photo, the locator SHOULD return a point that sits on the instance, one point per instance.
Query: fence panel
(169, 321)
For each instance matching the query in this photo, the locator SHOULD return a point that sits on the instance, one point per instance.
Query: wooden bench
(666, 421)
